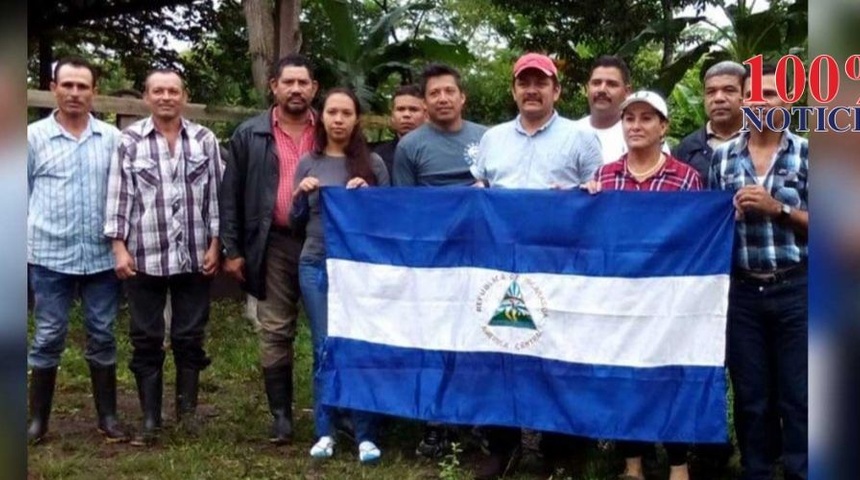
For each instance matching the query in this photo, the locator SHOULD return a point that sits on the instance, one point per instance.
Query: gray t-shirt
(330, 171)
(430, 157)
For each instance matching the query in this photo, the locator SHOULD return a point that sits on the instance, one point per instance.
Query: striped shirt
(762, 244)
(67, 186)
(288, 155)
(674, 175)
(165, 207)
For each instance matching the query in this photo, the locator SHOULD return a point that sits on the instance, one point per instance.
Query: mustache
(603, 96)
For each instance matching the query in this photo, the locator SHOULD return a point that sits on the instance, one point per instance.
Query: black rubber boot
(187, 387)
(279, 391)
(42, 381)
(104, 394)
(149, 391)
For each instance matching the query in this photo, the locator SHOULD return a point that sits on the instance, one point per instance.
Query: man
(261, 249)
(440, 152)
(723, 86)
(162, 216)
(608, 86)
(407, 114)
(768, 172)
(538, 149)
(68, 159)
(723, 83)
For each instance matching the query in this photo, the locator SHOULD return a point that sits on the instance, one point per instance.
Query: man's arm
(479, 168)
(215, 172)
(31, 167)
(404, 174)
(120, 195)
(590, 157)
(713, 180)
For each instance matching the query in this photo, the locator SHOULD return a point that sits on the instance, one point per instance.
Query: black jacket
(247, 198)
(695, 151)
(386, 151)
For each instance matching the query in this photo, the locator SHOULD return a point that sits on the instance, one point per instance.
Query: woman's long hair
(358, 161)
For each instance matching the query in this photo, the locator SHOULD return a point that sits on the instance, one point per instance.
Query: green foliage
(488, 90)
(449, 466)
(138, 41)
(218, 66)
(364, 60)
(686, 107)
(777, 31)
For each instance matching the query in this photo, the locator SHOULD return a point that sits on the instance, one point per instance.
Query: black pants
(677, 452)
(768, 364)
(189, 295)
(503, 441)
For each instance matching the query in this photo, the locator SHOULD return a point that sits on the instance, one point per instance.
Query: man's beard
(295, 109)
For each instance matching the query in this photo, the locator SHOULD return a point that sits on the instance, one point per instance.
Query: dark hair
(410, 90)
(766, 69)
(291, 60)
(438, 70)
(77, 62)
(169, 71)
(611, 61)
(358, 161)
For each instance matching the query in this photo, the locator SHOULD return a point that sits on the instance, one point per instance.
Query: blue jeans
(768, 364)
(314, 284)
(53, 293)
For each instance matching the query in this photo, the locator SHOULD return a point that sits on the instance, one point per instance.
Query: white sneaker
(368, 452)
(324, 448)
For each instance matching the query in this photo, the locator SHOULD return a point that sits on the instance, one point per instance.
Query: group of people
(158, 207)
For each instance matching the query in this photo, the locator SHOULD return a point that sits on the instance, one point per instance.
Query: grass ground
(232, 444)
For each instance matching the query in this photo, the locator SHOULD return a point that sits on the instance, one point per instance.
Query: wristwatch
(784, 211)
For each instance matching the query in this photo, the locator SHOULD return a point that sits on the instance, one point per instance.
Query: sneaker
(434, 444)
(368, 452)
(324, 448)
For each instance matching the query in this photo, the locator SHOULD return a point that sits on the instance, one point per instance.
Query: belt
(768, 278)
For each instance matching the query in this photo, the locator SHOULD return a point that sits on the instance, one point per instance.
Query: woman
(645, 167)
(340, 158)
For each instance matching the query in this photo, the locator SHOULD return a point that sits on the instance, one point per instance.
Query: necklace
(651, 171)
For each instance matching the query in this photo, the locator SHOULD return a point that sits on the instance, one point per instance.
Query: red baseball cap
(538, 61)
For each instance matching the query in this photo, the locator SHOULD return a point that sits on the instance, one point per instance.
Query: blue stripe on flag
(669, 404)
(615, 234)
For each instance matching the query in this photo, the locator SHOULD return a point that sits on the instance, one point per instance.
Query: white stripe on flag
(590, 320)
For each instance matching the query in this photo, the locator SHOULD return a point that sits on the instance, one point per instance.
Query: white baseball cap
(651, 98)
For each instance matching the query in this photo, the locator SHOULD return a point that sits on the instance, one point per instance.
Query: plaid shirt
(762, 244)
(165, 208)
(289, 154)
(674, 175)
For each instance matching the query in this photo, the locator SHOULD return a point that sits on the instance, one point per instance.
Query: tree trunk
(46, 73)
(261, 41)
(668, 41)
(46, 58)
(289, 32)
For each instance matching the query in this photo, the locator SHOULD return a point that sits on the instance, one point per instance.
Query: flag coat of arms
(602, 316)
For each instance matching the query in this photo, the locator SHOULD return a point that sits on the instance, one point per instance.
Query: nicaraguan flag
(602, 316)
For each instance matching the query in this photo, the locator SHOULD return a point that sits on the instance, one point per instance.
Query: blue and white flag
(602, 316)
